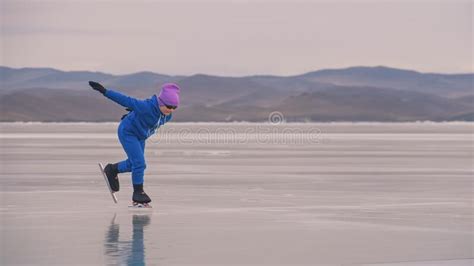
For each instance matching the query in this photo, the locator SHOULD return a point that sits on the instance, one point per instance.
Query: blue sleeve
(125, 101)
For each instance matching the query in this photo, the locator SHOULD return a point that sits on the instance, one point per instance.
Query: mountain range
(350, 94)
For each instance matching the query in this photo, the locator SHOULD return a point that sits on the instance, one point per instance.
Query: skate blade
(140, 206)
(112, 193)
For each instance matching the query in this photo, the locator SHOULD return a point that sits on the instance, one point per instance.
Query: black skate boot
(140, 198)
(111, 171)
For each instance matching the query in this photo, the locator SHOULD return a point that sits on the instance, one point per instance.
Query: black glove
(96, 86)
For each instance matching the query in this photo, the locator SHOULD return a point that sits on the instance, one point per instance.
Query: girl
(144, 118)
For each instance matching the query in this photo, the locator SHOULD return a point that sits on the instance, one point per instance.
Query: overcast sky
(236, 38)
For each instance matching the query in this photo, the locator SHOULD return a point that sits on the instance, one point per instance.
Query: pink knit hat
(169, 95)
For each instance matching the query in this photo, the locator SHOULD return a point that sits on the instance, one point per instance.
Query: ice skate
(111, 171)
(109, 186)
(140, 199)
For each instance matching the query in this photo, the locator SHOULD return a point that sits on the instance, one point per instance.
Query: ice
(290, 194)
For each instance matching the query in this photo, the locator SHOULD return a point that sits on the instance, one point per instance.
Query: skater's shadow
(128, 252)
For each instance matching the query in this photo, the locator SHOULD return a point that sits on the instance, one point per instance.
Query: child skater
(144, 118)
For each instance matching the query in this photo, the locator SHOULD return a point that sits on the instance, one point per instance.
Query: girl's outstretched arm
(124, 100)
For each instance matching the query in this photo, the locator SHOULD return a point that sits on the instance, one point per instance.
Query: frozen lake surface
(241, 194)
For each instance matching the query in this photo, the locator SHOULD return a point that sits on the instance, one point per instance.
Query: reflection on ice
(126, 252)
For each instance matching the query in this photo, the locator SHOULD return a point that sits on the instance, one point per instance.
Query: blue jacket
(145, 117)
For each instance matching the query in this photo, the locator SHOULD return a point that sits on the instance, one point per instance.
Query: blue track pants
(135, 150)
